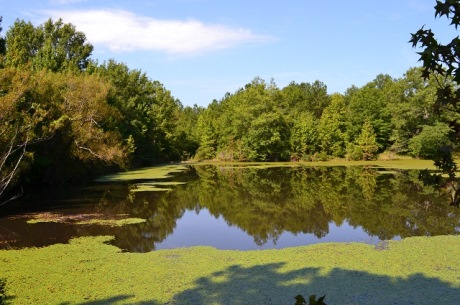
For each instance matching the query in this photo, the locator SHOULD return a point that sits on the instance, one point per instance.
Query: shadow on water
(269, 284)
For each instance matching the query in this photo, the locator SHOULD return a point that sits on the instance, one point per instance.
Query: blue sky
(201, 49)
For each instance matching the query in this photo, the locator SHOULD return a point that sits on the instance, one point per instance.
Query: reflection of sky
(203, 229)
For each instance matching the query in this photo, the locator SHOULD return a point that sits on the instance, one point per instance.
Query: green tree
(332, 137)
(430, 140)
(76, 124)
(442, 61)
(206, 126)
(411, 108)
(22, 43)
(354, 152)
(367, 141)
(305, 97)
(63, 116)
(149, 112)
(267, 138)
(53, 45)
(166, 114)
(370, 103)
(304, 135)
(16, 132)
(56, 127)
(229, 121)
(185, 138)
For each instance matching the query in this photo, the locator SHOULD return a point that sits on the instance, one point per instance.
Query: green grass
(166, 171)
(394, 164)
(417, 270)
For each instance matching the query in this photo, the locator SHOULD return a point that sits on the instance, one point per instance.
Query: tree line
(262, 122)
(66, 117)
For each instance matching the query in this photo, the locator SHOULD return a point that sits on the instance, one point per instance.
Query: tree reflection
(267, 202)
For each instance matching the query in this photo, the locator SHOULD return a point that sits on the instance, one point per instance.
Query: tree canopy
(55, 46)
(67, 117)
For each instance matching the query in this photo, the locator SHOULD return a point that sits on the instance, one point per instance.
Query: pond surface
(232, 207)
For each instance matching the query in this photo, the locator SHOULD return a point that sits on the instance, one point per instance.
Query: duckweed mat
(419, 270)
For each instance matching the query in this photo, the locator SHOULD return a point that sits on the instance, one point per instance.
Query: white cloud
(124, 31)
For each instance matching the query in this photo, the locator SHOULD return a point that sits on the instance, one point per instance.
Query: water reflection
(264, 205)
(194, 229)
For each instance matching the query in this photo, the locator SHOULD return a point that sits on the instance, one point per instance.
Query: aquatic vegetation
(112, 222)
(154, 186)
(2, 291)
(85, 219)
(419, 270)
(367, 203)
(150, 173)
(393, 164)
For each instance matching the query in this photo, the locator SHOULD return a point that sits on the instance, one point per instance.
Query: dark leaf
(300, 300)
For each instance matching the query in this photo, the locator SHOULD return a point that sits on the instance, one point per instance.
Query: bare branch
(88, 150)
(8, 178)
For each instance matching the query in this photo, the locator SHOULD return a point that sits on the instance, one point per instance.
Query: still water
(231, 207)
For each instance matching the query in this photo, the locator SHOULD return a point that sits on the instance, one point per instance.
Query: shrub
(322, 156)
(354, 152)
(428, 142)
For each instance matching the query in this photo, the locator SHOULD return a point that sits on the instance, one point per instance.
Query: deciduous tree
(304, 135)
(55, 46)
(332, 127)
(430, 140)
(443, 62)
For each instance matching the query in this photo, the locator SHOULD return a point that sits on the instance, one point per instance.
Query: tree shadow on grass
(121, 299)
(268, 284)
(8, 300)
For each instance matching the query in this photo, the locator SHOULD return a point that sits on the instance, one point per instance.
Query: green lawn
(417, 270)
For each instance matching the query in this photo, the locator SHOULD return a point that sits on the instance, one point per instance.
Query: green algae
(393, 164)
(112, 222)
(154, 186)
(117, 220)
(88, 270)
(157, 172)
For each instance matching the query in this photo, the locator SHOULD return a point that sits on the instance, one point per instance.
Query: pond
(236, 207)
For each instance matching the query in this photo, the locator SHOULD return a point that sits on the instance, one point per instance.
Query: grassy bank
(413, 271)
(395, 164)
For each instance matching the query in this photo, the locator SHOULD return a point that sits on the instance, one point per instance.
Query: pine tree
(367, 141)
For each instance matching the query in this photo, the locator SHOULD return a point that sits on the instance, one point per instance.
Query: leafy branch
(443, 60)
(300, 300)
